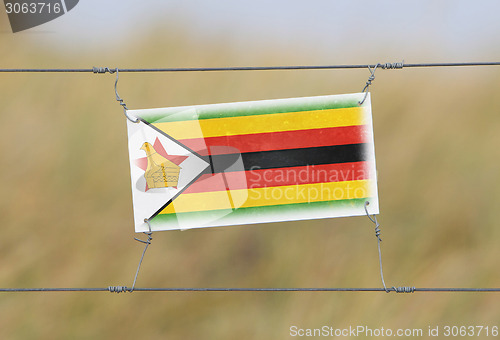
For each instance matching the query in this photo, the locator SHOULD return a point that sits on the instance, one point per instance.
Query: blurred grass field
(66, 209)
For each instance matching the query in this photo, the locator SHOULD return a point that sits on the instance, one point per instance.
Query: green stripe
(183, 113)
(248, 213)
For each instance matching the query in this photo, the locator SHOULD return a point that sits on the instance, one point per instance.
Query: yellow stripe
(288, 121)
(290, 194)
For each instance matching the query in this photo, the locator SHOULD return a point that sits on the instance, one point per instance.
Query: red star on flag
(176, 159)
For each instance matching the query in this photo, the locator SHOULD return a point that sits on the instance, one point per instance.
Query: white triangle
(148, 203)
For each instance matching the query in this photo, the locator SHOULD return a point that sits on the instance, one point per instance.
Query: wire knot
(370, 78)
(118, 289)
(374, 220)
(402, 289)
(378, 232)
(392, 66)
(102, 70)
(148, 241)
(368, 82)
(120, 100)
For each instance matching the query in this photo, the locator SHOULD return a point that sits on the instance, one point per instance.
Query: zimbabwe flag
(252, 162)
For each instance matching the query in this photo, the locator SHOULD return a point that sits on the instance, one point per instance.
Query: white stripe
(64, 6)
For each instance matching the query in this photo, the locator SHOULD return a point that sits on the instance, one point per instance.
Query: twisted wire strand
(147, 243)
(102, 70)
(118, 98)
(377, 234)
(123, 289)
(379, 239)
(368, 83)
(404, 289)
(117, 289)
(392, 66)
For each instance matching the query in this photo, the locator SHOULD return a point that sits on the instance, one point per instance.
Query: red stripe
(279, 140)
(281, 176)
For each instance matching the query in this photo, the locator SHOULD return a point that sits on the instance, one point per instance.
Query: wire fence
(397, 65)
(371, 67)
(123, 289)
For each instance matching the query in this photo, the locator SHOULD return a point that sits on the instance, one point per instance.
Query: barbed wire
(398, 65)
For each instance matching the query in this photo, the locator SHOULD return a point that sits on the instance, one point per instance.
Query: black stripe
(290, 158)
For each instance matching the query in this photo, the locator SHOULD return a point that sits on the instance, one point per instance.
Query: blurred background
(66, 207)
